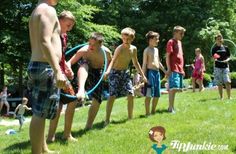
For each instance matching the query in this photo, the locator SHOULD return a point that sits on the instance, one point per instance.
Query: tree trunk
(2, 74)
(21, 79)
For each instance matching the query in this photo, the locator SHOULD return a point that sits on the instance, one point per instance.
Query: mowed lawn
(200, 117)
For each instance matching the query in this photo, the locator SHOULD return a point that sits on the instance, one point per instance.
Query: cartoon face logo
(157, 135)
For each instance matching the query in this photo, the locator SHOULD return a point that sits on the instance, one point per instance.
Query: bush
(206, 79)
(233, 79)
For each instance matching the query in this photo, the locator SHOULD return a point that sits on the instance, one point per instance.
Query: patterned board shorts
(153, 88)
(175, 81)
(45, 95)
(120, 83)
(221, 76)
(94, 76)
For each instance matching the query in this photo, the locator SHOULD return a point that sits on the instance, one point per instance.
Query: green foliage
(232, 65)
(207, 79)
(84, 15)
(233, 79)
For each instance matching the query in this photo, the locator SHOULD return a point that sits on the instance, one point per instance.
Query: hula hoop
(227, 40)
(101, 78)
(74, 48)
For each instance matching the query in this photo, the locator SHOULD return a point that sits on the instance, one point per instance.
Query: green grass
(200, 117)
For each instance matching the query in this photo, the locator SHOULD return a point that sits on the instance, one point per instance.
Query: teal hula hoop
(103, 72)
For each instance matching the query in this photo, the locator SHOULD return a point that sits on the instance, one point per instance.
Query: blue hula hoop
(74, 48)
(101, 78)
(227, 40)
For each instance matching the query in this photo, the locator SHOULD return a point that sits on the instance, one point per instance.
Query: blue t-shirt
(159, 150)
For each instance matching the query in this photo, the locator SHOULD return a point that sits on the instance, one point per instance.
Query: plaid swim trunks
(45, 94)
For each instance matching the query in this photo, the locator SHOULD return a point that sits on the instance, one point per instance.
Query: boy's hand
(60, 80)
(145, 79)
(106, 75)
(168, 73)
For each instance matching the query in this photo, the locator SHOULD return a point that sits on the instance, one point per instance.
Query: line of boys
(46, 75)
(91, 62)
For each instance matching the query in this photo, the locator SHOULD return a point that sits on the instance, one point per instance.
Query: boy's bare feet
(47, 151)
(106, 123)
(70, 139)
(51, 139)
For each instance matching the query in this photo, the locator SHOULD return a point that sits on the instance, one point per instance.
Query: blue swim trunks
(175, 80)
(153, 88)
(45, 94)
(120, 83)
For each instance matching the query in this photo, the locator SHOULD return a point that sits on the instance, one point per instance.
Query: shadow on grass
(15, 148)
(157, 112)
(207, 99)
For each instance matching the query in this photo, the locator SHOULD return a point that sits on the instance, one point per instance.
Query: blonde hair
(67, 14)
(24, 100)
(179, 28)
(218, 35)
(198, 49)
(128, 31)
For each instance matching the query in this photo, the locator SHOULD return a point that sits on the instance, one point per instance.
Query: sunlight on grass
(200, 117)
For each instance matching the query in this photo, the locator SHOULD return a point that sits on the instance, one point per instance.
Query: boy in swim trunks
(119, 79)
(91, 61)
(151, 66)
(44, 72)
(67, 21)
(221, 69)
(175, 65)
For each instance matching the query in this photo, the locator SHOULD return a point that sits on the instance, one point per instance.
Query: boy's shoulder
(133, 47)
(106, 49)
(84, 48)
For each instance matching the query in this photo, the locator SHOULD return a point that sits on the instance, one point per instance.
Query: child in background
(20, 110)
(198, 70)
(137, 84)
(4, 101)
(151, 66)
(221, 55)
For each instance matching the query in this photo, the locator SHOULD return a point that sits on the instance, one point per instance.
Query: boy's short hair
(179, 28)
(218, 35)
(67, 14)
(97, 36)
(151, 35)
(24, 100)
(128, 31)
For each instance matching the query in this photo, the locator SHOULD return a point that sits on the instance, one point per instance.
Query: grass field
(200, 117)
